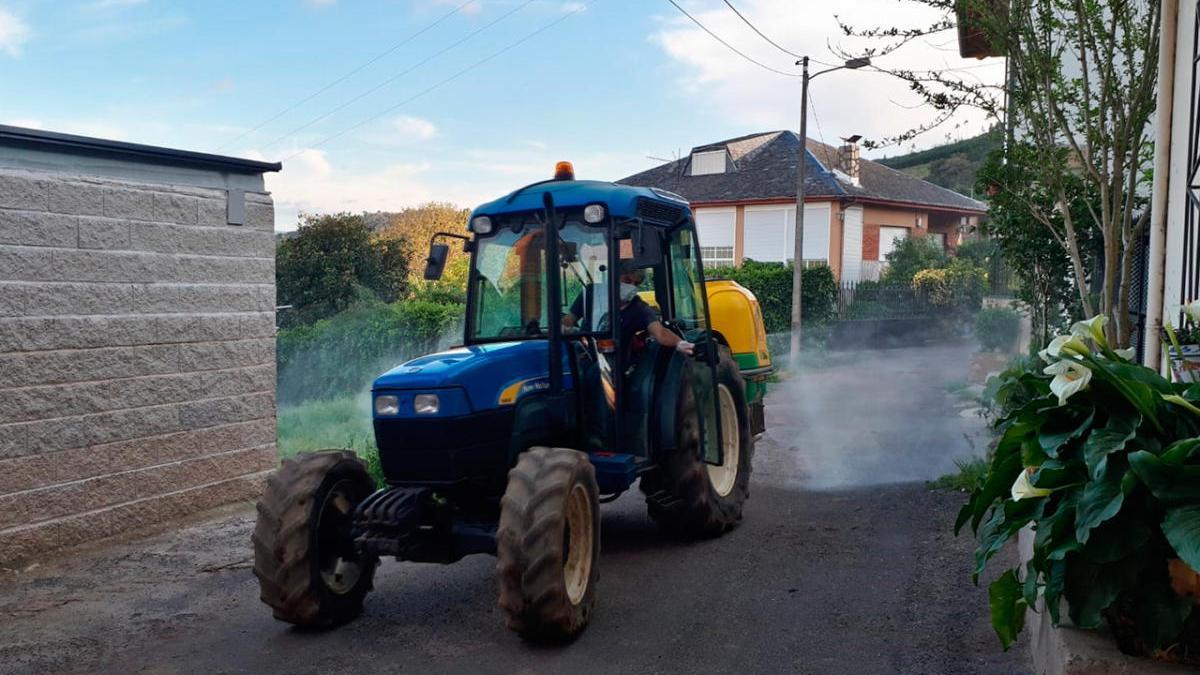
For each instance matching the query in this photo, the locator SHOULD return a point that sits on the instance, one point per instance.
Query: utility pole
(798, 253)
(801, 170)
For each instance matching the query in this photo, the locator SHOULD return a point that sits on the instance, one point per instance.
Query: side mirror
(436, 262)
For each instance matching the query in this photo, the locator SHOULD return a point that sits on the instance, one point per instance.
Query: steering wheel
(602, 324)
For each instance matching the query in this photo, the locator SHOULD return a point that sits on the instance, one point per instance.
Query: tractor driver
(636, 315)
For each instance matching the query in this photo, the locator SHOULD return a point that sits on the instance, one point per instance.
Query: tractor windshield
(509, 299)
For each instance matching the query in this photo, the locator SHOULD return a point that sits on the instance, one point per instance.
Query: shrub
(1103, 460)
(342, 354)
(771, 283)
(996, 328)
(958, 288)
(911, 255)
(978, 252)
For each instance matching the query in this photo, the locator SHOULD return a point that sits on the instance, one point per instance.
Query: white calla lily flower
(1093, 328)
(1070, 377)
(1191, 310)
(1126, 354)
(1023, 487)
(1064, 347)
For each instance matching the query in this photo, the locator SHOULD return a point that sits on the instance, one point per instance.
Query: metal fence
(872, 300)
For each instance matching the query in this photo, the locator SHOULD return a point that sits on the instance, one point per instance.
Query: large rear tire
(548, 544)
(687, 497)
(308, 570)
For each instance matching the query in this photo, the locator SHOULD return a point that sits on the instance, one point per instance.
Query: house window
(889, 238)
(717, 256)
(705, 163)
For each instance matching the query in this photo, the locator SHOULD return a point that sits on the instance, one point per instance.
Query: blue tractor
(554, 404)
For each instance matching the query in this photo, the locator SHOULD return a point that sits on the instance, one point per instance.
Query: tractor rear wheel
(304, 555)
(688, 497)
(548, 544)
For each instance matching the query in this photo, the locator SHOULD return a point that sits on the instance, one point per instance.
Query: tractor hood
(484, 372)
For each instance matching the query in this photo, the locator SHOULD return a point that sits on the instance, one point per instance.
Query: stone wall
(137, 355)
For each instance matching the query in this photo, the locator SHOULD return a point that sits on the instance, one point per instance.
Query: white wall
(1177, 198)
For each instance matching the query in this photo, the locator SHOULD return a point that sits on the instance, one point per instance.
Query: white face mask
(627, 292)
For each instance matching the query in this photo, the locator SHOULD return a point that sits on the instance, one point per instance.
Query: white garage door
(888, 238)
(852, 227)
(715, 228)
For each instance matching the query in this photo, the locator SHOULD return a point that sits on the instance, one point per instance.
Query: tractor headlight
(593, 213)
(387, 405)
(425, 404)
(481, 225)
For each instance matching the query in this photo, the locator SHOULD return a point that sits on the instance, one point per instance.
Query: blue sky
(608, 85)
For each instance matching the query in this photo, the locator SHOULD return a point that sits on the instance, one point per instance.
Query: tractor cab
(570, 386)
(547, 264)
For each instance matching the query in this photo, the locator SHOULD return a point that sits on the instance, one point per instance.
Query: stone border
(1066, 650)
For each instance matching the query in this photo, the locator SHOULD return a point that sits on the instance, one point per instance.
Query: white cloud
(14, 33)
(98, 5)
(574, 7)
(320, 3)
(474, 7)
(310, 183)
(414, 128)
(864, 102)
(27, 122)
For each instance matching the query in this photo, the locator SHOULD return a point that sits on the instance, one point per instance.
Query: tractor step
(663, 499)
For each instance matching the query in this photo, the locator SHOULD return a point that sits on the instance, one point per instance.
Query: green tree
(1082, 85)
(956, 172)
(415, 226)
(330, 261)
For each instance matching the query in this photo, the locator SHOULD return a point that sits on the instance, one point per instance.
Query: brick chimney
(848, 159)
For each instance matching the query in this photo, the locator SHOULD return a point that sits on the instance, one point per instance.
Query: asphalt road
(836, 569)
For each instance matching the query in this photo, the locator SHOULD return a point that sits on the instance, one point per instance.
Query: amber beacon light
(564, 171)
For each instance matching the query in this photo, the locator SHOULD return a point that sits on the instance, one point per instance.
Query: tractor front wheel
(304, 555)
(548, 544)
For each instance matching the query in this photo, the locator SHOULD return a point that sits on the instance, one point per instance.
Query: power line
(453, 77)
(402, 73)
(731, 47)
(760, 33)
(348, 75)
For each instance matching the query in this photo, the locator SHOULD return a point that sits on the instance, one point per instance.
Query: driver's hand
(684, 347)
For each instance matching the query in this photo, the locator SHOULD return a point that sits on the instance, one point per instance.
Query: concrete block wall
(137, 355)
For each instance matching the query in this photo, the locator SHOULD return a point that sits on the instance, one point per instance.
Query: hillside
(951, 166)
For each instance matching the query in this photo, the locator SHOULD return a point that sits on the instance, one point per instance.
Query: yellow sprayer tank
(736, 315)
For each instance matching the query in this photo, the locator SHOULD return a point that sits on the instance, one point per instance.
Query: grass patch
(340, 423)
(968, 474)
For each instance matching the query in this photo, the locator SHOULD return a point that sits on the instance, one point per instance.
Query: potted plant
(1183, 344)
(1101, 458)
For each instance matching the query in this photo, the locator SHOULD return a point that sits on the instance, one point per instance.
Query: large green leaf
(1052, 595)
(1061, 429)
(1131, 371)
(998, 484)
(1054, 535)
(1091, 589)
(1181, 525)
(1170, 483)
(1008, 607)
(1180, 451)
(1099, 501)
(1005, 523)
(1118, 538)
(1159, 614)
(1111, 438)
(1055, 474)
